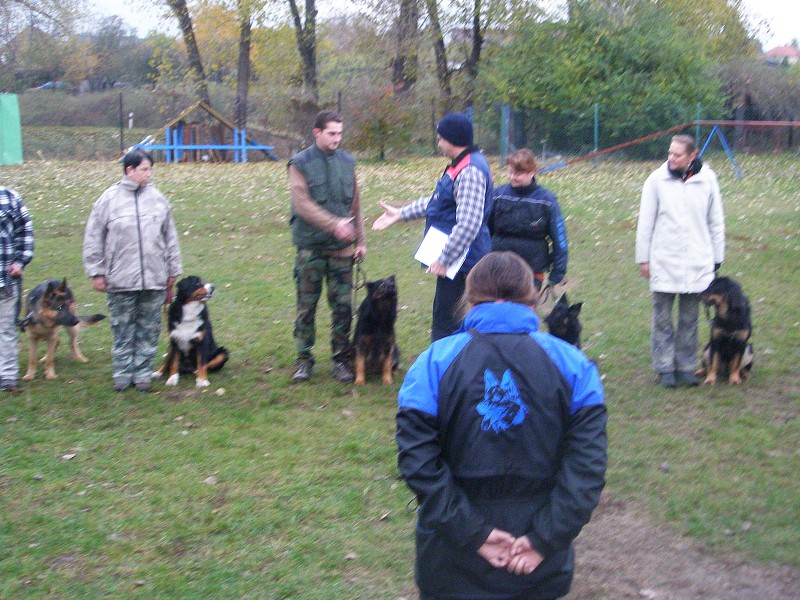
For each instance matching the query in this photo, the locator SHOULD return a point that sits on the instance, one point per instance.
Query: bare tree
(443, 73)
(474, 58)
(406, 60)
(181, 12)
(306, 34)
(243, 71)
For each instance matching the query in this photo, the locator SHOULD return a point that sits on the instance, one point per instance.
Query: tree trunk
(306, 35)
(442, 71)
(195, 64)
(474, 59)
(405, 62)
(243, 70)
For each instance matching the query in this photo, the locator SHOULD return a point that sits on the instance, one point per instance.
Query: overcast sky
(783, 16)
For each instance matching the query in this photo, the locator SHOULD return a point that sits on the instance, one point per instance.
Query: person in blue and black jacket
(501, 434)
(526, 219)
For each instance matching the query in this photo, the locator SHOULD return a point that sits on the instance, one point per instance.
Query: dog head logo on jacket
(502, 406)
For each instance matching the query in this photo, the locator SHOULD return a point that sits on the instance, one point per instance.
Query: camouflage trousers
(135, 326)
(310, 269)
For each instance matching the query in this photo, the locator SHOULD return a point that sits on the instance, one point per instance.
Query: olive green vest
(330, 179)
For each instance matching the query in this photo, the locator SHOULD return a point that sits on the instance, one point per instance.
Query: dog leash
(359, 281)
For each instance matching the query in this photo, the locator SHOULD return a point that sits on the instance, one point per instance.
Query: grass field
(257, 488)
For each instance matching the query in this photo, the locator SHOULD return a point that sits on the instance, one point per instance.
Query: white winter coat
(130, 238)
(681, 230)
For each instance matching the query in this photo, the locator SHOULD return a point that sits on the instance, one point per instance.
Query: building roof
(783, 52)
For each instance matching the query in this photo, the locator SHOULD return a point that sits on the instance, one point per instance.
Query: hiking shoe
(121, 387)
(342, 372)
(302, 373)
(686, 378)
(143, 386)
(667, 380)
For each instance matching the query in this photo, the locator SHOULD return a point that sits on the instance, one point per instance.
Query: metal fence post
(698, 117)
(505, 118)
(596, 129)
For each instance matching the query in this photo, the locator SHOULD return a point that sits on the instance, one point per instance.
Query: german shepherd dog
(48, 306)
(729, 352)
(192, 348)
(563, 322)
(374, 339)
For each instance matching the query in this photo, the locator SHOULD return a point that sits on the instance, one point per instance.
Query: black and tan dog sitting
(192, 348)
(49, 306)
(563, 322)
(729, 352)
(374, 338)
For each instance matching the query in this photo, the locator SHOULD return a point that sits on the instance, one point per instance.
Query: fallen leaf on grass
(11, 419)
(69, 456)
(210, 480)
(384, 516)
(350, 556)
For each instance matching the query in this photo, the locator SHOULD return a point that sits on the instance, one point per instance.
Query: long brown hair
(499, 276)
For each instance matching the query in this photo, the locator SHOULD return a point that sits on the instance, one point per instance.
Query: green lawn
(256, 488)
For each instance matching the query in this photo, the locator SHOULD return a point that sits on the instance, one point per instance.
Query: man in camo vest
(328, 230)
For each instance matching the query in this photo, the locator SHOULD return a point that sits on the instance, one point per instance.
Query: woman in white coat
(680, 243)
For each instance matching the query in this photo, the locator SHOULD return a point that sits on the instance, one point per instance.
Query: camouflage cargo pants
(310, 269)
(135, 326)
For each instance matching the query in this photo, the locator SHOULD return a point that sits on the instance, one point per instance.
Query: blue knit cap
(456, 128)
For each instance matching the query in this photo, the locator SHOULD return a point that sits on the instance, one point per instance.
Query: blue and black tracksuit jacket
(501, 426)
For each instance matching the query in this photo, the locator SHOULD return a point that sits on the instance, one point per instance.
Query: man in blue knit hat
(460, 207)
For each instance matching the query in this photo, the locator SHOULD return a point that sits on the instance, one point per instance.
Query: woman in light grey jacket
(680, 243)
(131, 252)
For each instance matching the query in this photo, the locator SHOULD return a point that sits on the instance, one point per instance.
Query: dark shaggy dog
(192, 348)
(729, 352)
(374, 340)
(49, 305)
(563, 322)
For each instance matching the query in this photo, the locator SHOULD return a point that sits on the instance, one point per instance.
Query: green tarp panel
(10, 130)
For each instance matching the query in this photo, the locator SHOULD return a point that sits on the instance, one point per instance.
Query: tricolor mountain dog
(192, 348)
(374, 339)
(563, 322)
(51, 305)
(729, 352)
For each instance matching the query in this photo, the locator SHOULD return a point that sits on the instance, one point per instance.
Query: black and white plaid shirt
(16, 235)
(469, 190)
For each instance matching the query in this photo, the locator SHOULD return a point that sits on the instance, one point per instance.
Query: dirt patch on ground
(621, 555)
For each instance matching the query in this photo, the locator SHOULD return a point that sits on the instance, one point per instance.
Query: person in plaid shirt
(460, 207)
(16, 251)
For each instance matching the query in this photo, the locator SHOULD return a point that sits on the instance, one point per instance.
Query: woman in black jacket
(526, 219)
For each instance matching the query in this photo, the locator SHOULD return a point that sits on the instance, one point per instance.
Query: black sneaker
(667, 380)
(303, 373)
(143, 386)
(686, 378)
(342, 372)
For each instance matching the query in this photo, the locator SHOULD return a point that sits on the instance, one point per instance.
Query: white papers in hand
(431, 248)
